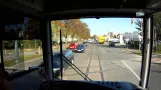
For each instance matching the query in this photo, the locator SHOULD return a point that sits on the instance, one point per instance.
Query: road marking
(131, 70)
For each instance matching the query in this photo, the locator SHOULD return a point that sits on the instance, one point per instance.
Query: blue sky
(103, 25)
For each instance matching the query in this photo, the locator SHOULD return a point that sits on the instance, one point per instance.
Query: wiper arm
(68, 62)
(71, 64)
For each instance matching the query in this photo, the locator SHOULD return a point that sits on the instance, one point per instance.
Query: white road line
(131, 70)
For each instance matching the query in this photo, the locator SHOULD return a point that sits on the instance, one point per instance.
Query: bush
(133, 44)
(158, 51)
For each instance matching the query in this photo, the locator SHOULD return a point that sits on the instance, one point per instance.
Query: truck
(101, 39)
(115, 40)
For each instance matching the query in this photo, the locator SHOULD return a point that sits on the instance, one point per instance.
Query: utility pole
(35, 43)
(16, 54)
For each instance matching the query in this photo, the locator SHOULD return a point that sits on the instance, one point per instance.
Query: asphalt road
(103, 63)
(155, 76)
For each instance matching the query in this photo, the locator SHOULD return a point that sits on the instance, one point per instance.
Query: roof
(81, 8)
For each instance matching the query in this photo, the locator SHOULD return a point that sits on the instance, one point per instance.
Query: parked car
(80, 48)
(57, 62)
(72, 46)
(85, 43)
(111, 43)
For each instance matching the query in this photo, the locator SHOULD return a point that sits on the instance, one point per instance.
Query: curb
(156, 55)
(129, 50)
(132, 52)
(153, 56)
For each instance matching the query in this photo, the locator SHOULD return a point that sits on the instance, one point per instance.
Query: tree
(85, 31)
(114, 36)
(54, 30)
(118, 36)
(139, 26)
(67, 30)
(157, 25)
(95, 36)
(157, 28)
(111, 34)
(74, 28)
(55, 27)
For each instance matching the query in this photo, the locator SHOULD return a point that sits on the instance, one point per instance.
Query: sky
(104, 25)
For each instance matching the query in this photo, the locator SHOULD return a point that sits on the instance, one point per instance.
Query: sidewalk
(155, 58)
(132, 50)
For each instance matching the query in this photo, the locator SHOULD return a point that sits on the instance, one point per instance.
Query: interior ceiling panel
(74, 8)
(154, 4)
(82, 8)
(54, 6)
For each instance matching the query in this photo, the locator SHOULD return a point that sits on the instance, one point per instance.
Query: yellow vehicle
(101, 39)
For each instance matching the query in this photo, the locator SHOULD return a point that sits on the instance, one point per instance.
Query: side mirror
(33, 67)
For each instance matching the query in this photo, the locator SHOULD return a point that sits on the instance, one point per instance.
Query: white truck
(114, 40)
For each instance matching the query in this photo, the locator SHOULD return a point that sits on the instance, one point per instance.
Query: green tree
(157, 28)
(139, 26)
(118, 36)
(95, 36)
(67, 29)
(111, 34)
(75, 28)
(114, 36)
(157, 25)
(55, 26)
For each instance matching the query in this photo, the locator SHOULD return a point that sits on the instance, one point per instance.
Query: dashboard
(91, 85)
(34, 81)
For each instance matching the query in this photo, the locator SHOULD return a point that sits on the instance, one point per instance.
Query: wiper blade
(71, 64)
(68, 62)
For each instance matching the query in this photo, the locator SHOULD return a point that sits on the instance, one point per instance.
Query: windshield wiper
(79, 71)
(68, 62)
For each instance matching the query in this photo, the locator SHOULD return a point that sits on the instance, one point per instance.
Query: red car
(73, 46)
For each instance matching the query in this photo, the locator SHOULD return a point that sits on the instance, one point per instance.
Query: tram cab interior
(42, 12)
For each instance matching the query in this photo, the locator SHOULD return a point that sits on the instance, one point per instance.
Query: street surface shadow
(135, 60)
(82, 67)
(120, 46)
(156, 63)
(127, 52)
(94, 43)
(71, 74)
